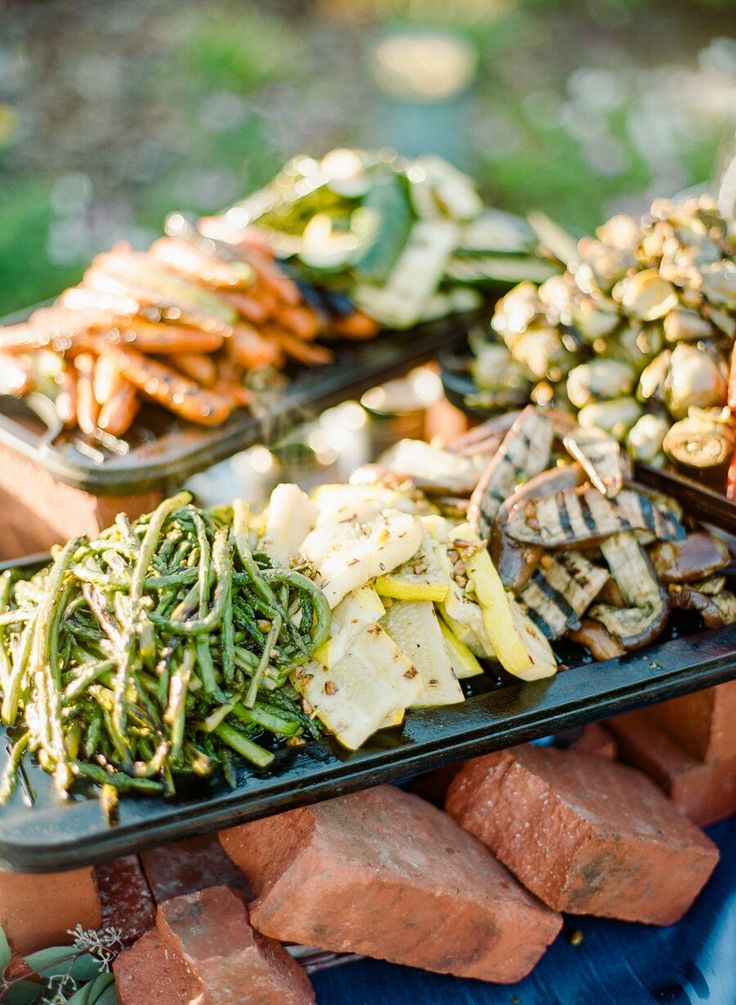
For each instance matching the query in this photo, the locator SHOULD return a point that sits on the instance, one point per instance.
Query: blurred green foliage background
(112, 114)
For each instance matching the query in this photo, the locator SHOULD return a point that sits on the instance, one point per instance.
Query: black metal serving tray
(165, 451)
(40, 833)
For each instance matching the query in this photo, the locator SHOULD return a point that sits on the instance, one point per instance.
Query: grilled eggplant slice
(561, 590)
(717, 609)
(525, 452)
(516, 562)
(486, 438)
(584, 516)
(643, 619)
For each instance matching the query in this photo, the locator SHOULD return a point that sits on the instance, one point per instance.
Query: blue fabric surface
(693, 961)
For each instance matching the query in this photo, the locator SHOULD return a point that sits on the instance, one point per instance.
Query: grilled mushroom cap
(697, 557)
(717, 610)
(600, 642)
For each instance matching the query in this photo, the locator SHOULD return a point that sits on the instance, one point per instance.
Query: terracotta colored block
(442, 419)
(38, 510)
(596, 739)
(37, 910)
(203, 951)
(385, 874)
(704, 791)
(584, 834)
(125, 897)
(191, 865)
(210, 931)
(149, 974)
(702, 722)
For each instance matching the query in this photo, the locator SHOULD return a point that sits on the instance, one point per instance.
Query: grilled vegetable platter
(202, 321)
(407, 239)
(636, 336)
(191, 640)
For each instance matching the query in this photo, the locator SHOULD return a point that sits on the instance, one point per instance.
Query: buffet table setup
(448, 718)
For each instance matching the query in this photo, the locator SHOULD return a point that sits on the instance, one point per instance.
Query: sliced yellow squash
(414, 627)
(518, 648)
(359, 609)
(349, 554)
(463, 662)
(364, 691)
(423, 577)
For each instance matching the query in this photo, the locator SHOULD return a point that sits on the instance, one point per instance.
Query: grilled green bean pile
(157, 651)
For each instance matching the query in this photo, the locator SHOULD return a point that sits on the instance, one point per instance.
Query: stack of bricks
(528, 832)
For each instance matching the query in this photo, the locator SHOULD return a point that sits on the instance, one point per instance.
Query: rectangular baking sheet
(53, 835)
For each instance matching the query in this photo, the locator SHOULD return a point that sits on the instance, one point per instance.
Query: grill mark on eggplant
(554, 595)
(587, 515)
(565, 522)
(647, 510)
(546, 629)
(575, 512)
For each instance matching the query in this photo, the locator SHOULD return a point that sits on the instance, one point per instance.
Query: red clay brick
(210, 931)
(702, 722)
(705, 792)
(31, 524)
(596, 739)
(125, 897)
(150, 974)
(187, 866)
(37, 910)
(385, 874)
(203, 951)
(584, 834)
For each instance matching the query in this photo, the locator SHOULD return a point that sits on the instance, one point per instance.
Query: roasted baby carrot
(159, 340)
(270, 275)
(107, 378)
(305, 352)
(201, 267)
(66, 396)
(299, 320)
(87, 407)
(355, 326)
(256, 306)
(117, 414)
(251, 349)
(172, 390)
(197, 366)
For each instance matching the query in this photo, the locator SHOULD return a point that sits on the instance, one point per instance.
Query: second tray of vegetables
(196, 667)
